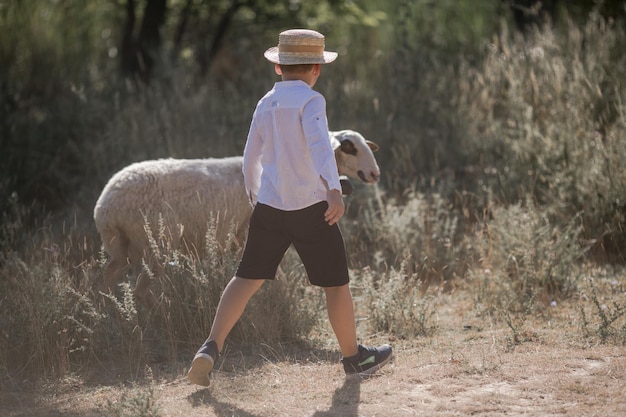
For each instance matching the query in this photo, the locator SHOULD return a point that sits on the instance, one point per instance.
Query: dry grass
(470, 366)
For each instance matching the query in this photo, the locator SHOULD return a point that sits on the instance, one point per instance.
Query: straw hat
(300, 46)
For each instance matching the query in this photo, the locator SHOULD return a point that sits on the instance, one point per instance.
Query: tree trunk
(128, 49)
(205, 58)
(139, 57)
(149, 41)
(181, 28)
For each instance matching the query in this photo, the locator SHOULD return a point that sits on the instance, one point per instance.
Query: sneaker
(203, 363)
(367, 361)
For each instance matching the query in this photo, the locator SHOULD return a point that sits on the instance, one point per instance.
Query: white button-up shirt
(288, 161)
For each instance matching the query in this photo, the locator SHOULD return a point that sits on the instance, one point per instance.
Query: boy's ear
(277, 69)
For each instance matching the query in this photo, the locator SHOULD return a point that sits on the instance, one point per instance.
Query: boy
(292, 182)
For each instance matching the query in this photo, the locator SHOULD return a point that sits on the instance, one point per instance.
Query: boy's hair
(296, 68)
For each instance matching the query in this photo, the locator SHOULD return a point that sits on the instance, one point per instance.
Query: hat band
(319, 50)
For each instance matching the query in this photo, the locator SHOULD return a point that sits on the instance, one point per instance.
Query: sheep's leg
(113, 273)
(117, 265)
(140, 254)
(143, 293)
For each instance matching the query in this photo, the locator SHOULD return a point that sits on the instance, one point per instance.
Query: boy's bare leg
(341, 316)
(231, 306)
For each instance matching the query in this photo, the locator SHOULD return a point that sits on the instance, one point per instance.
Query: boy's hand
(336, 209)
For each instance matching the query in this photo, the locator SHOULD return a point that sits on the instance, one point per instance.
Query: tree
(139, 55)
(203, 28)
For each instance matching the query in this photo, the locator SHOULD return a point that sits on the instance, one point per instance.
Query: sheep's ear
(372, 145)
(348, 147)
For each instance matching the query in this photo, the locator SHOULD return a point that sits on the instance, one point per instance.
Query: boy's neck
(294, 77)
(305, 78)
(309, 77)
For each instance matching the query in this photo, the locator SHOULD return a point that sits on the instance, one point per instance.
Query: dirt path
(456, 373)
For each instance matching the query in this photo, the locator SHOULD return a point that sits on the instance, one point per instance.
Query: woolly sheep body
(183, 197)
(184, 193)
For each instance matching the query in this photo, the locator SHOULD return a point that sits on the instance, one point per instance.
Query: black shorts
(320, 246)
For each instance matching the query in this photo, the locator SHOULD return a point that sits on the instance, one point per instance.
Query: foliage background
(501, 125)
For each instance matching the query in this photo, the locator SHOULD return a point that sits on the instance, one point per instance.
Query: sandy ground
(460, 371)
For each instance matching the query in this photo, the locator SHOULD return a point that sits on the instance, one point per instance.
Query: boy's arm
(315, 126)
(252, 167)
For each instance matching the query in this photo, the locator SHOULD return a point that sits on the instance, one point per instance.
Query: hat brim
(295, 58)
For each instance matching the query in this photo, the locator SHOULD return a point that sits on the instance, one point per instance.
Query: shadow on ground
(203, 397)
(345, 402)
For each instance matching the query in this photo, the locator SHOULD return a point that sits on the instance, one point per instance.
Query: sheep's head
(355, 156)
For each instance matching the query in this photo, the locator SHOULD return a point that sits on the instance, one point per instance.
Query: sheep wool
(185, 198)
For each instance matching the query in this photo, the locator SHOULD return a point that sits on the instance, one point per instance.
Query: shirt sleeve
(315, 126)
(252, 168)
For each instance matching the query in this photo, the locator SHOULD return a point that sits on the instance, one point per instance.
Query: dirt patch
(457, 372)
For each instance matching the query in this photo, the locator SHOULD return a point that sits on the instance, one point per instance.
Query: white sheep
(184, 197)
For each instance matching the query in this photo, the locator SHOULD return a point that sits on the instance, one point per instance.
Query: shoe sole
(201, 366)
(370, 371)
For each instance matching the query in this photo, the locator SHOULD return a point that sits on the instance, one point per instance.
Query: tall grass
(545, 117)
(397, 302)
(54, 322)
(524, 259)
(500, 170)
(419, 230)
(48, 318)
